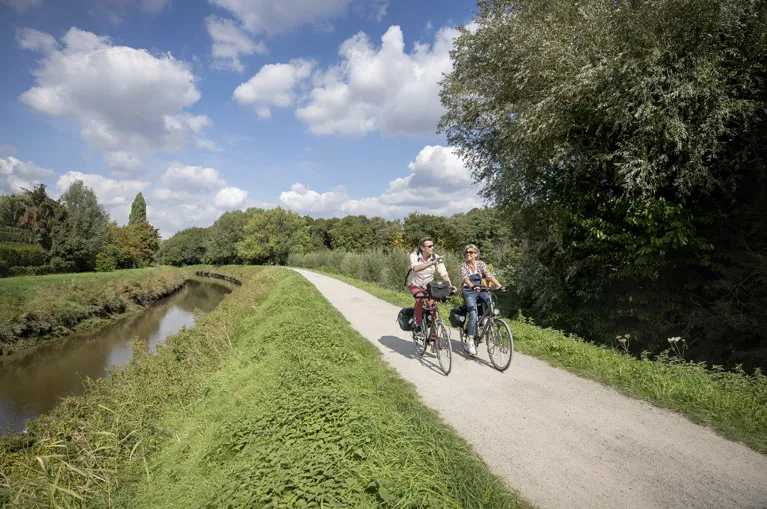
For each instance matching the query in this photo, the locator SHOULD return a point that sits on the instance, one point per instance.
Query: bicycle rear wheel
(500, 344)
(444, 352)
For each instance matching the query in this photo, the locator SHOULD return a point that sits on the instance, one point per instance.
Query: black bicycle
(493, 331)
(434, 334)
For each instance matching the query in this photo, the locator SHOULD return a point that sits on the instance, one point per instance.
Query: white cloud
(34, 40)
(381, 89)
(22, 5)
(110, 192)
(273, 85)
(270, 18)
(372, 89)
(7, 149)
(229, 42)
(122, 163)
(16, 174)
(194, 178)
(438, 183)
(126, 101)
(231, 197)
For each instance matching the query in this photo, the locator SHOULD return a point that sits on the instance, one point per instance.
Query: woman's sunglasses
(470, 252)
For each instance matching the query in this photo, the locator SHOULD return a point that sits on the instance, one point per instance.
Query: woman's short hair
(471, 246)
(423, 241)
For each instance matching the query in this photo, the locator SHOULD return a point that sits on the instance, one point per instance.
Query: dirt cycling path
(561, 440)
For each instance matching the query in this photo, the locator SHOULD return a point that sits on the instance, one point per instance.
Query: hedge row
(22, 255)
(16, 235)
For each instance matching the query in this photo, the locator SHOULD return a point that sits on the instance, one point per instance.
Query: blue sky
(325, 107)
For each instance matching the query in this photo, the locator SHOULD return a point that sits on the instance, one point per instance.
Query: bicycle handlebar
(483, 288)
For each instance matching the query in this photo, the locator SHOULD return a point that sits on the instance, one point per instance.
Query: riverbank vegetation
(734, 403)
(34, 308)
(270, 400)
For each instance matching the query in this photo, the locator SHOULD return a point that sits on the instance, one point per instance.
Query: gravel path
(561, 440)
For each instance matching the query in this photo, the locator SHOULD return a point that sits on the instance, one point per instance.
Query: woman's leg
(418, 304)
(470, 298)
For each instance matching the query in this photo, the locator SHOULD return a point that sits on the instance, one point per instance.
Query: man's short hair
(424, 240)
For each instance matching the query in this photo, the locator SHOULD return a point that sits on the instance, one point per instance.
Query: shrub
(350, 265)
(105, 263)
(22, 254)
(372, 265)
(61, 266)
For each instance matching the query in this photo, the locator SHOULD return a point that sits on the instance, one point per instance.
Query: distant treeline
(260, 236)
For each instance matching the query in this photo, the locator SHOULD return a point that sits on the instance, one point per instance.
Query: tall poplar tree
(137, 210)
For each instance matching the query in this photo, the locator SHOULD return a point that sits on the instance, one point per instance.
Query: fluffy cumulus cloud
(229, 42)
(230, 197)
(438, 183)
(16, 175)
(273, 85)
(110, 192)
(385, 89)
(188, 195)
(22, 5)
(127, 102)
(183, 196)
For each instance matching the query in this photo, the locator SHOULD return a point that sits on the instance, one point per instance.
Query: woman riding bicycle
(473, 270)
(424, 263)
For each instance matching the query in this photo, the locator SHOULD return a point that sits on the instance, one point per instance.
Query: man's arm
(418, 267)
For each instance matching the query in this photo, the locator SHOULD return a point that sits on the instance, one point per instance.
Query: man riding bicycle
(473, 271)
(424, 263)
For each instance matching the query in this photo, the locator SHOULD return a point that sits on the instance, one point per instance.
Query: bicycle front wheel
(419, 340)
(444, 352)
(500, 345)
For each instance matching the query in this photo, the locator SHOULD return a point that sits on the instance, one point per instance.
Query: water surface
(33, 380)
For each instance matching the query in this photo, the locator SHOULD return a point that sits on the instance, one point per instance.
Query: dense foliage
(186, 247)
(625, 142)
(39, 235)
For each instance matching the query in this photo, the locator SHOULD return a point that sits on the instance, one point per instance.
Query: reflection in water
(32, 381)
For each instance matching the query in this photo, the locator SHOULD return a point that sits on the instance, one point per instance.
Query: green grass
(732, 403)
(37, 307)
(271, 400)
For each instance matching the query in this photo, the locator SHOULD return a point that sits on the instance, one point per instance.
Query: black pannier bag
(458, 316)
(439, 289)
(405, 319)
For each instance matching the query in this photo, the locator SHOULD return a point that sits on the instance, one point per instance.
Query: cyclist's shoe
(417, 329)
(472, 347)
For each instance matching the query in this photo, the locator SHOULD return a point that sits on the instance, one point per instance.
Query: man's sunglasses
(431, 245)
(470, 252)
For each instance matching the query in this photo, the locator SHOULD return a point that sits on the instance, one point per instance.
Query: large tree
(625, 140)
(223, 236)
(81, 235)
(271, 235)
(137, 210)
(41, 214)
(186, 247)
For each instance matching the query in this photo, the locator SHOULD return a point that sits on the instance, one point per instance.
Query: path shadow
(459, 350)
(406, 348)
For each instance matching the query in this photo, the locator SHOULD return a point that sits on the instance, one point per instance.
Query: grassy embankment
(733, 404)
(35, 308)
(270, 400)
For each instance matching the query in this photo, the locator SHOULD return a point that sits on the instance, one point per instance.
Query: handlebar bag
(438, 289)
